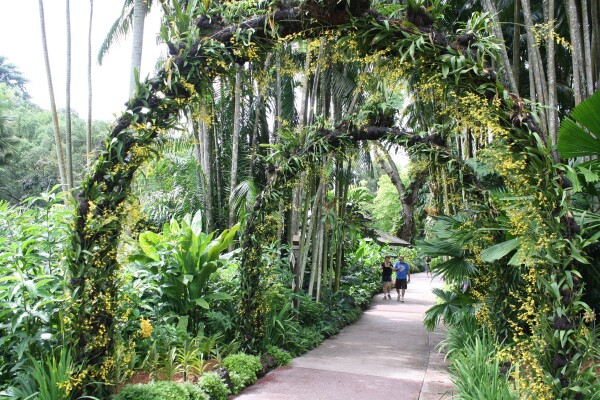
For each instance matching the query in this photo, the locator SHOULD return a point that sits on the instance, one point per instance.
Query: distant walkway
(387, 353)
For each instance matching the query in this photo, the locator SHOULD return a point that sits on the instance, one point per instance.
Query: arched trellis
(154, 108)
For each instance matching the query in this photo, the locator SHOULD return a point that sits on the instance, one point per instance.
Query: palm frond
(117, 31)
(455, 270)
(579, 134)
(451, 307)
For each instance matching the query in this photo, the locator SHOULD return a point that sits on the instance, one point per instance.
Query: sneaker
(398, 299)
(402, 301)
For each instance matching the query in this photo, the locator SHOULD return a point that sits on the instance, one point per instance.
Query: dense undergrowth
(177, 310)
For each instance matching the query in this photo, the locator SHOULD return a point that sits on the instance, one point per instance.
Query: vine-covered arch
(155, 106)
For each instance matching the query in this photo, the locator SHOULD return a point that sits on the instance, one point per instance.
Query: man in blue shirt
(402, 277)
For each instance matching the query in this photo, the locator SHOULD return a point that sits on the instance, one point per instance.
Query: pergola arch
(154, 108)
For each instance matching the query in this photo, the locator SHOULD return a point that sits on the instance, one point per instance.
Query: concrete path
(387, 353)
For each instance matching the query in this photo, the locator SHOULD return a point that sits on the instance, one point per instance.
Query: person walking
(402, 277)
(428, 266)
(386, 277)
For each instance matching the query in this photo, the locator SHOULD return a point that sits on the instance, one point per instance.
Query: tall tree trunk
(576, 53)
(339, 252)
(595, 23)
(278, 101)
(235, 141)
(140, 9)
(57, 136)
(88, 136)
(490, 8)
(68, 134)
(310, 232)
(516, 56)
(552, 102)
(587, 47)
(219, 172)
(316, 215)
(536, 67)
(207, 168)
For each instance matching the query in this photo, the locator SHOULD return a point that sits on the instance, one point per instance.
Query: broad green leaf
(579, 134)
(500, 250)
(202, 303)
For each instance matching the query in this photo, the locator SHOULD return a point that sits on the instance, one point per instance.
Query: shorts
(401, 284)
(386, 279)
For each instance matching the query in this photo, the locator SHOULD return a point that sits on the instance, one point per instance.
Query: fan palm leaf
(451, 307)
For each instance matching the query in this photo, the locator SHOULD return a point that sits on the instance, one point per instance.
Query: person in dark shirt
(386, 277)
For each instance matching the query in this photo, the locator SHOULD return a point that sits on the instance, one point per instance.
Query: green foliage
(179, 262)
(161, 391)
(452, 306)
(386, 206)
(214, 386)
(47, 378)
(32, 242)
(281, 356)
(476, 370)
(29, 167)
(245, 366)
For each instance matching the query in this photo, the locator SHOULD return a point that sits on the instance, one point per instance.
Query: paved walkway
(387, 353)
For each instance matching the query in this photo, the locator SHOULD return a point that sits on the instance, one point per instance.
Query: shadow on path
(386, 353)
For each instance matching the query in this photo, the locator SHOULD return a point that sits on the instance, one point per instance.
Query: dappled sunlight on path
(386, 353)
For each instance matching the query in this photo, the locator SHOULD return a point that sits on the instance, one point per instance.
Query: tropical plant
(179, 261)
(246, 366)
(214, 386)
(161, 391)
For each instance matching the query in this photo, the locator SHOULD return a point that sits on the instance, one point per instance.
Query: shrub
(214, 386)
(310, 312)
(161, 391)
(245, 365)
(304, 340)
(281, 356)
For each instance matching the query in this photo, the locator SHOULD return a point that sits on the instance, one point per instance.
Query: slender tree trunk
(595, 23)
(88, 137)
(68, 134)
(57, 136)
(339, 253)
(310, 233)
(490, 8)
(219, 173)
(316, 244)
(257, 114)
(552, 102)
(207, 167)
(578, 83)
(235, 141)
(587, 47)
(536, 68)
(516, 56)
(140, 9)
(278, 102)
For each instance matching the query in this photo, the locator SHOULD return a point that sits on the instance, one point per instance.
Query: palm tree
(68, 144)
(133, 14)
(235, 140)
(88, 137)
(57, 136)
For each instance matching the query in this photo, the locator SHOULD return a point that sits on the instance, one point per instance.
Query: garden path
(387, 353)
